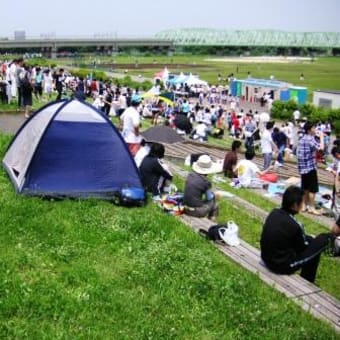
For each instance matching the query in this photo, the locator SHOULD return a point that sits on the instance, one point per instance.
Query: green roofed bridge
(213, 37)
(168, 40)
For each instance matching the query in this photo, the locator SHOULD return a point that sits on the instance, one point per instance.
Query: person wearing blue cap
(130, 123)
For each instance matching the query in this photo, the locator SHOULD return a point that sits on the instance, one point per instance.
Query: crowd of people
(213, 112)
(19, 82)
(285, 247)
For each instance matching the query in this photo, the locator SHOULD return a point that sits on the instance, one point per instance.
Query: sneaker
(156, 199)
(278, 164)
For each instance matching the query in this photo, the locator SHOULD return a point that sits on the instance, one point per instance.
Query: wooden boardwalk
(182, 150)
(308, 296)
(254, 210)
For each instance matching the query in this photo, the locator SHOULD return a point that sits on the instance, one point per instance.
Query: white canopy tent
(193, 80)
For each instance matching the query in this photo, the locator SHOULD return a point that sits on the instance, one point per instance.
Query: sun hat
(205, 166)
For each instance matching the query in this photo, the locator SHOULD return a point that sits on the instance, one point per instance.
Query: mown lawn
(322, 73)
(90, 270)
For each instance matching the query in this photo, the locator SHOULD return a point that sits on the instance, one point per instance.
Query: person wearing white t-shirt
(99, 103)
(296, 116)
(200, 132)
(248, 172)
(122, 103)
(130, 123)
(143, 151)
(267, 145)
(264, 118)
(48, 83)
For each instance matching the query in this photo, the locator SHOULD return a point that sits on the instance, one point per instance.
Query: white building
(20, 35)
(327, 98)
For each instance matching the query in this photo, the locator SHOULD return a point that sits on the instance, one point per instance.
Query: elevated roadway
(52, 45)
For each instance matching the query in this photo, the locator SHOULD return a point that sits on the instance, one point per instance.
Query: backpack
(24, 80)
(130, 197)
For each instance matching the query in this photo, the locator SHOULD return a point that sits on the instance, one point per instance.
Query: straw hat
(205, 166)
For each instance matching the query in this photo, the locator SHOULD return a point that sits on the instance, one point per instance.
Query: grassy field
(322, 73)
(88, 269)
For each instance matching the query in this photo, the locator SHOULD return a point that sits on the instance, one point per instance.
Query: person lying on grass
(285, 248)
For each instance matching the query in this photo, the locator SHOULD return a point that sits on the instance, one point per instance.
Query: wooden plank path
(182, 150)
(308, 296)
(255, 210)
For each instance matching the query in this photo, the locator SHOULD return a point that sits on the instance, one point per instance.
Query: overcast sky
(147, 17)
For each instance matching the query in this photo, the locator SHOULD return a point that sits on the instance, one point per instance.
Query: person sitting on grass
(200, 132)
(199, 200)
(285, 247)
(230, 160)
(248, 173)
(143, 151)
(156, 177)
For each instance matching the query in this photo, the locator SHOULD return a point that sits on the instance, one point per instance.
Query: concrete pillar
(54, 51)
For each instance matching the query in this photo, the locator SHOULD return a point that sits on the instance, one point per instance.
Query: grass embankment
(88, 269)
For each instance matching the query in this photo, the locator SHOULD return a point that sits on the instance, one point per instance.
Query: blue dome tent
(70, 149)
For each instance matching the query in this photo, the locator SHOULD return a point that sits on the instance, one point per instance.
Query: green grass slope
(90, 270)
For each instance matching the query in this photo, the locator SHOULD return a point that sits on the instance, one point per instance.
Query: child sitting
(248, 173)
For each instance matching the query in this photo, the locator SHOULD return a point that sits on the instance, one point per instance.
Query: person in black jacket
(156, 177)
(285, 248)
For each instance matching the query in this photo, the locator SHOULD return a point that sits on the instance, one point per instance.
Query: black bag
(212, 233)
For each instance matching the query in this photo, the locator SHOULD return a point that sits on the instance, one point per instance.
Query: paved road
(11, 122)
(123, 75)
